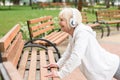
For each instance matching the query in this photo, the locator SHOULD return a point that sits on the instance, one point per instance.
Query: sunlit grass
(14, 15)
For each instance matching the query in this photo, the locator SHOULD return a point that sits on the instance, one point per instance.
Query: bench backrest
(40, 26)
(107, 15)
(11, 45)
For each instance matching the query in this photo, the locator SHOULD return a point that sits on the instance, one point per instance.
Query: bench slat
(43, 71)
(61, 39)
(32, 71)
(51, 35)
(32, 21)
(53, 38)
(57, 36)
(23, 62)
(42, 31)
(18, 54)
(52, 60)
(42, 25)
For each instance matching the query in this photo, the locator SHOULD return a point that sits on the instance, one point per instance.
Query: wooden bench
(93, 25)
(19, 62)
(43, 27)
(108, 17)
(60, 4)
(43, 4)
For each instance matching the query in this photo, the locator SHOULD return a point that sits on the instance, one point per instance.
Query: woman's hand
(51, 65)
(52, 74)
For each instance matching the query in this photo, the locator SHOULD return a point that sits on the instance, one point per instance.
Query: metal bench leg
(108, 29)
(102, 31)
(118, 26)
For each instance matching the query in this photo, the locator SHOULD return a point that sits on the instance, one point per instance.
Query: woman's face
(63, 24)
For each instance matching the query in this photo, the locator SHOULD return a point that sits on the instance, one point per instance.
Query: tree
(76, 1)
(30, 2)
(16, 1)
(3, 1)
(107, 2)
(80, 5)
(92, 2)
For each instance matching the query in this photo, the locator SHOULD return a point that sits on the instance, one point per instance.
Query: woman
(84, 51)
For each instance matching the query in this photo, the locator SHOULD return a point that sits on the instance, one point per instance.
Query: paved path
(111, 43)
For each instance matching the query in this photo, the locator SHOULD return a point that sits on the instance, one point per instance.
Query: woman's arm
(64, 57)
(78, 51)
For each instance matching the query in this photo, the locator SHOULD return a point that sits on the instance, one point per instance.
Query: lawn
(20, 14)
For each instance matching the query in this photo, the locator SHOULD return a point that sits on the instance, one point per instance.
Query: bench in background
(43, 27)
(108, 17)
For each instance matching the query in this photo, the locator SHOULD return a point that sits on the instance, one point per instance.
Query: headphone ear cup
(72, 23)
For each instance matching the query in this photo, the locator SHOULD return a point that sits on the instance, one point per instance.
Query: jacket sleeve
(78, 51)
(64, 57)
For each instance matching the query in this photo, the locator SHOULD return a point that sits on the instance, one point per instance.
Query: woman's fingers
(52, 65)
(52, 74)
(46, 66)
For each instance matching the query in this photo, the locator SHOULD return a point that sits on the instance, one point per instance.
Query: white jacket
(84, 50)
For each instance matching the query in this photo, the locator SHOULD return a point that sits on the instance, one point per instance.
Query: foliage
(56, 23)
(24, 30)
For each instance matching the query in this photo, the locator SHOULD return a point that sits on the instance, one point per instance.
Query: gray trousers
(117, 74)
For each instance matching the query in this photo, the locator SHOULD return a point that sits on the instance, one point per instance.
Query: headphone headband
(73, 22)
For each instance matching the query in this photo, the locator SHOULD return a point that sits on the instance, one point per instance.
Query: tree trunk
(80, 5)
(30, 2)
(3, 2)
(107, 2)
(119, 7)
(16, 2)
(92, 2)
(75, 2)
(54, 0)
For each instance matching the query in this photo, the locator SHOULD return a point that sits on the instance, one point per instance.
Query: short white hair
(67, 13)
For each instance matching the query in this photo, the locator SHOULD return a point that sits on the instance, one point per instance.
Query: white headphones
(73, 22)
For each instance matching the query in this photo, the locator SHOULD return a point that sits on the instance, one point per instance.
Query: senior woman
(84, 51)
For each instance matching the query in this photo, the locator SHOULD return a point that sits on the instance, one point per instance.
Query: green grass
(18, 14)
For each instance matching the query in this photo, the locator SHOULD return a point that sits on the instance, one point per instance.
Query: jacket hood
(87, 28)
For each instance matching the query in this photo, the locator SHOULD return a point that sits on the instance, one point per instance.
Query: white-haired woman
(84, 51)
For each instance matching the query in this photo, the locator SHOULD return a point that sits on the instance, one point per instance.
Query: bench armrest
(50, 43)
